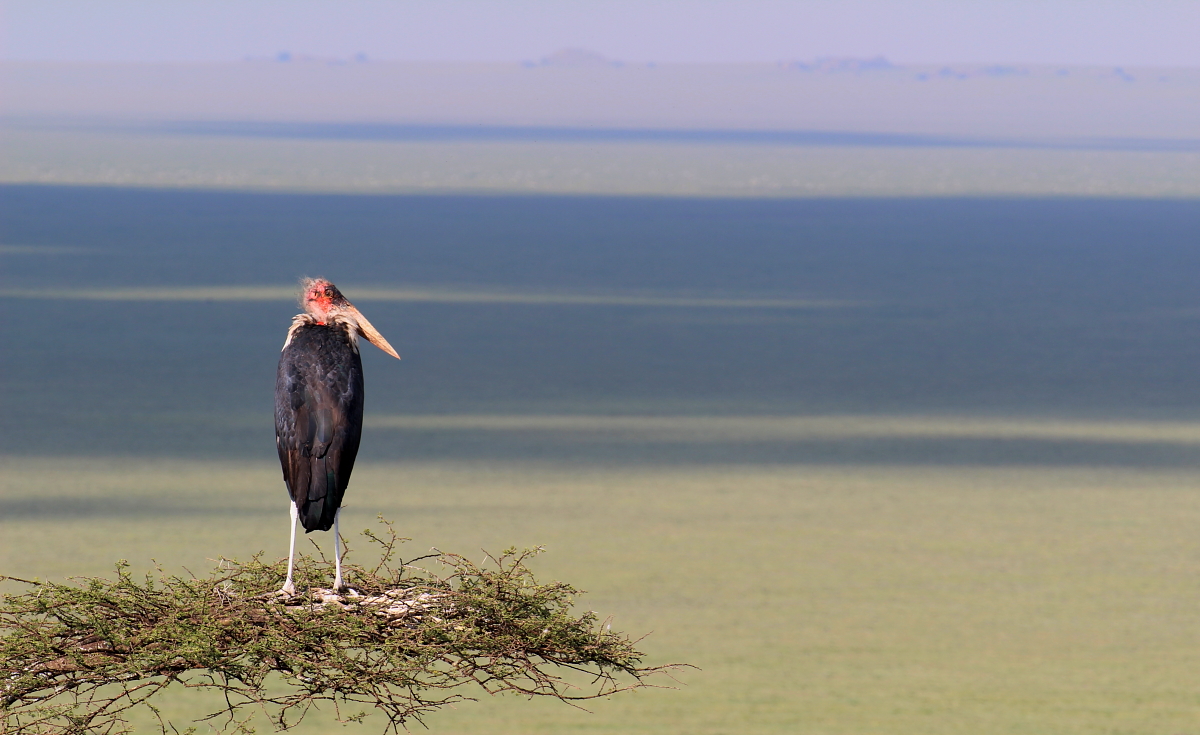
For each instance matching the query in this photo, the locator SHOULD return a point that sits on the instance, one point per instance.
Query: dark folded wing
(318, 420)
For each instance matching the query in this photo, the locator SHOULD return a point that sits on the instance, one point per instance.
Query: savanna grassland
(884, 466)
(882, 438)
(815, 598)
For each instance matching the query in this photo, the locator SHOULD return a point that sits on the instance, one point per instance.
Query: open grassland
(875, 465)
(676, 169)
(815, 598)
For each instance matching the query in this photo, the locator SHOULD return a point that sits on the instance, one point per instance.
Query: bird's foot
(288, 589)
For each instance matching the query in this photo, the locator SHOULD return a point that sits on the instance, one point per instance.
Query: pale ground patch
(421, 294)
(816, 599)
(802, 428)
(585, 168)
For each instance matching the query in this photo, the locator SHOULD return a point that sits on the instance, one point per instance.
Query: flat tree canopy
(401, 641)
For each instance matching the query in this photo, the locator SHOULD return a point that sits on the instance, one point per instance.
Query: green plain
(925, 468)
(816, 599)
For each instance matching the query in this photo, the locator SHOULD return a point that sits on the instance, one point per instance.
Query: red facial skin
(322, 299)
(325, 304)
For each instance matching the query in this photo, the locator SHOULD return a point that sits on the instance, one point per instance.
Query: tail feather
(320, 508)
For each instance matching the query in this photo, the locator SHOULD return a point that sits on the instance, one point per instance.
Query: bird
(319, 410)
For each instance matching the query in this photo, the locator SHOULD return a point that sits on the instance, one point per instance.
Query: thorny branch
(402, 641)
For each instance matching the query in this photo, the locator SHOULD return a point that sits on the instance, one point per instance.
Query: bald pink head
(321, 299)
(325, 304)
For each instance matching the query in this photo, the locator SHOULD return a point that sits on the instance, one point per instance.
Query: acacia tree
(401, 641)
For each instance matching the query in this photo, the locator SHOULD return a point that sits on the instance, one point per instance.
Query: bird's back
(318, 418)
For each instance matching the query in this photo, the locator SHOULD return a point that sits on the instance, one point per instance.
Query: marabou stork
(319, 410)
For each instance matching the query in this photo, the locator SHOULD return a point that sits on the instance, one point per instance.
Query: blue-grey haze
(1067, 308)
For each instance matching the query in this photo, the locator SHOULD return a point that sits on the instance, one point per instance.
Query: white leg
(294, 514)
(337, 552)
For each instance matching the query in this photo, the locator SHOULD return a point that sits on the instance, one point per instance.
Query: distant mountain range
(577, 90)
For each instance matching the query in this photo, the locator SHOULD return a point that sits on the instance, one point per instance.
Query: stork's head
(321, 299)
(325, 303)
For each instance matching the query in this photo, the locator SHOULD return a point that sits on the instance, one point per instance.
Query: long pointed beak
(371, 333)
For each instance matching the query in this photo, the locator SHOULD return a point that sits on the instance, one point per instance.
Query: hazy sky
(1121, 32)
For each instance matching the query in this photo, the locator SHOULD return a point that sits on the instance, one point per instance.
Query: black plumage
(318, 418)
(319, 410)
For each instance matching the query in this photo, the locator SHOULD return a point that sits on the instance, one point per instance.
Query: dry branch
(402, 641)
